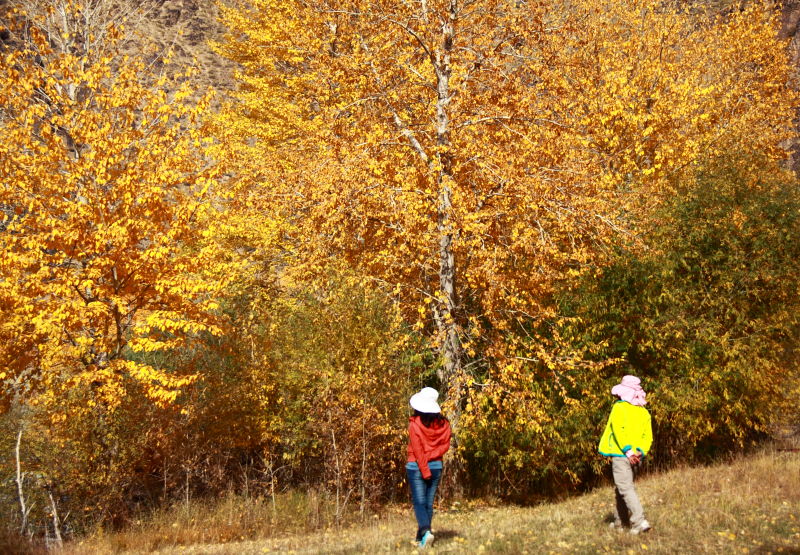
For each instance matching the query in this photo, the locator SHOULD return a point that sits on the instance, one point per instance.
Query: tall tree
(104, 196)
(471, 153)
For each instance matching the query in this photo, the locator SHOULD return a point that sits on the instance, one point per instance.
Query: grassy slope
(750, 505)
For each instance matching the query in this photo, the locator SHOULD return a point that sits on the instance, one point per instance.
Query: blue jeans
(422, 493)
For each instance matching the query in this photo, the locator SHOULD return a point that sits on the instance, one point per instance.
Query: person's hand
(634, 457)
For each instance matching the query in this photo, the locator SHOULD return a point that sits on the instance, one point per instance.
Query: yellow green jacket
(628, 428)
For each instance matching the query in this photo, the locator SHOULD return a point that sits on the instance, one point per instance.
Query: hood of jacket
(438, 432)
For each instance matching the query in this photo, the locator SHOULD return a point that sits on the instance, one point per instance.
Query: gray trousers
(625, 493)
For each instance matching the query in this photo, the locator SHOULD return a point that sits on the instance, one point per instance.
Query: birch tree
(470, 154)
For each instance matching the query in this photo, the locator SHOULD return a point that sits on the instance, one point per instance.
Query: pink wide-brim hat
(630, 390)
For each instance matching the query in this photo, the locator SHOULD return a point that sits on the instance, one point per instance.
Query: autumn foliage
(472, 156)
(104, 191)
(515, 202)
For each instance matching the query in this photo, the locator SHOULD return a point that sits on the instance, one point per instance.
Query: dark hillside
(187, 26)
(183, 26)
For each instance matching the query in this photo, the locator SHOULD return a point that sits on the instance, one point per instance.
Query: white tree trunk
(447, 319)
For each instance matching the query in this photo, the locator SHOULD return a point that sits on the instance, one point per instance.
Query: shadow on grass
(777, 548)
(446, 534)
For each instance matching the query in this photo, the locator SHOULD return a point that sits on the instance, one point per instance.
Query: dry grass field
(748, 505)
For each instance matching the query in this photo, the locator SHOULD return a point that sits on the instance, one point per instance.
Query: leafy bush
(703, 307)
(707, 313)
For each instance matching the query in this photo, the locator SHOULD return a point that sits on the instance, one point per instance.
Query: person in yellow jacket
(626, 440)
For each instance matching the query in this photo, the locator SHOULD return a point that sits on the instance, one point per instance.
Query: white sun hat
(425, 401)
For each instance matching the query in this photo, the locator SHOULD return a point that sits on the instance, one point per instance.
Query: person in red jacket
(428, 441)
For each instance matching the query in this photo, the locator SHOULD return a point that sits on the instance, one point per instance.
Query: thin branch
(414, 34)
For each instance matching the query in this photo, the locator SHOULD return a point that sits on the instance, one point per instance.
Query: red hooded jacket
(427, 444)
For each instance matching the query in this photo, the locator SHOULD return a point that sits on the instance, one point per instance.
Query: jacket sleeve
(647, 435)
(418, 449)
(621, 427)
(632, 428)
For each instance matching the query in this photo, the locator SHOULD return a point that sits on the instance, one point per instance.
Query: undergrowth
(750, 504)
